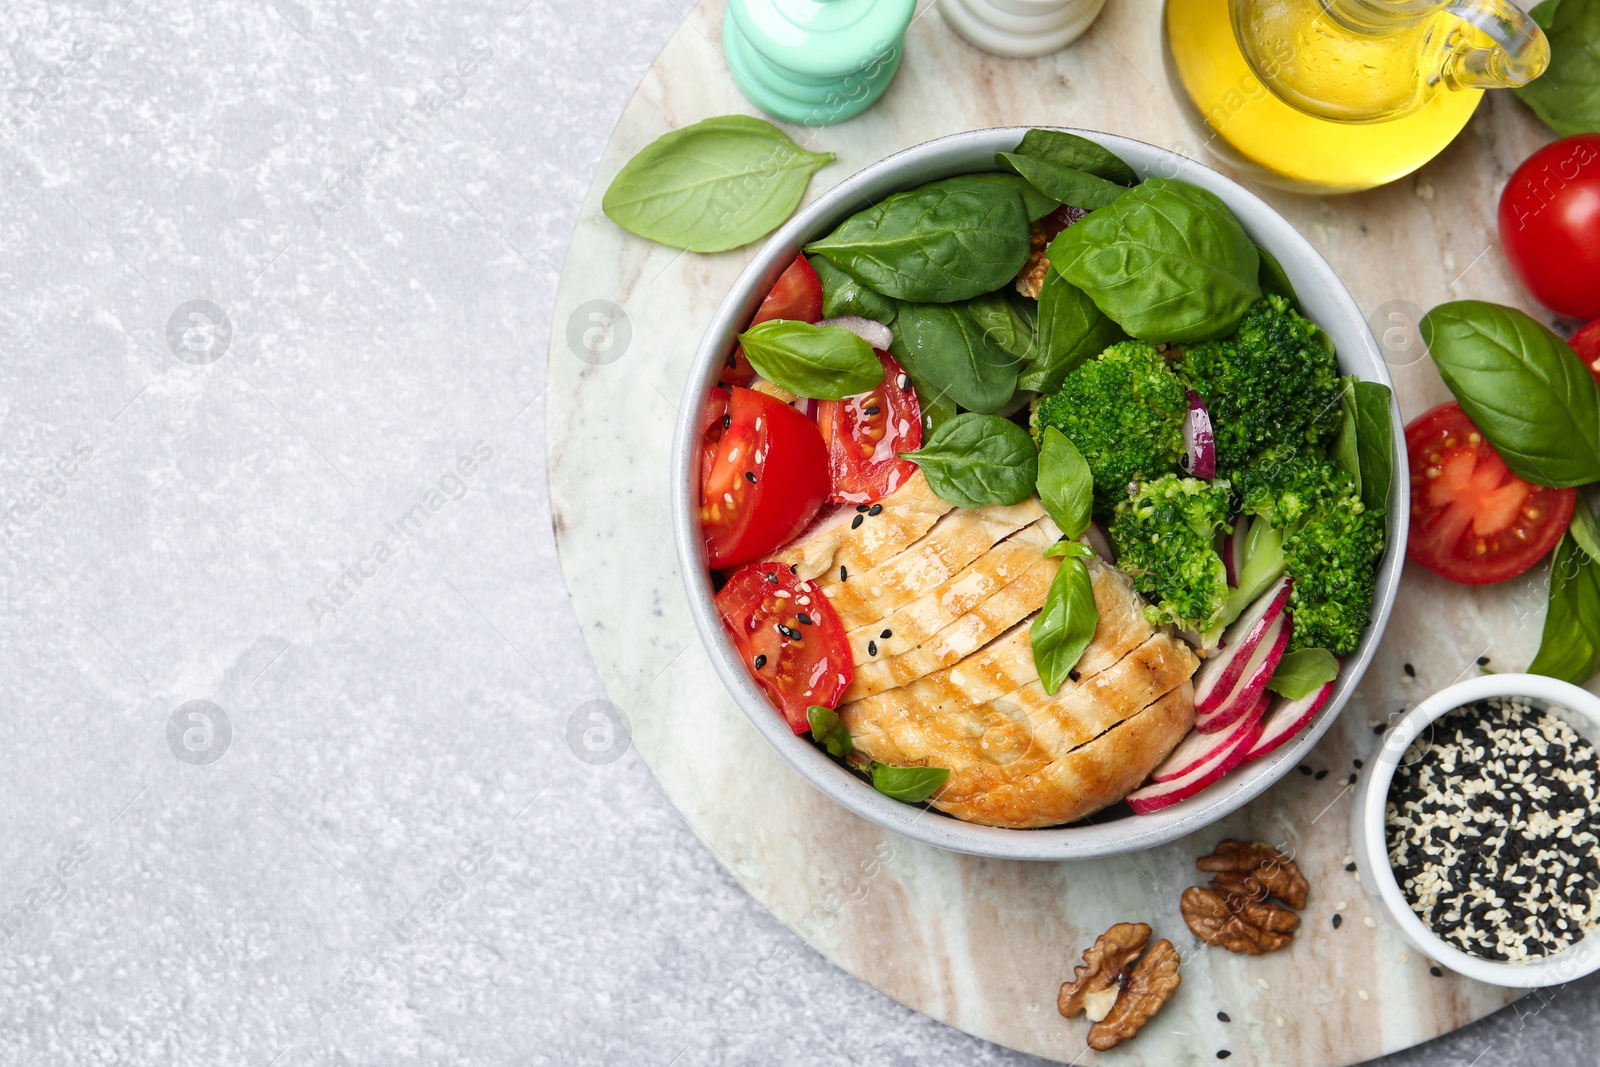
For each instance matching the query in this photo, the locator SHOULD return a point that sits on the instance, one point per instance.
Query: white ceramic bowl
(1323, 298)
(1578, 707)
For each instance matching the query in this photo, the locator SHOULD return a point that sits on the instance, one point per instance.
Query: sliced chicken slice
(841, 541)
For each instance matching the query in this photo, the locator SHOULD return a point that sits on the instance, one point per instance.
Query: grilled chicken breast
(937, 601)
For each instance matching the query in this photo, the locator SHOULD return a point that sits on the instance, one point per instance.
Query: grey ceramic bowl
(1323, 298)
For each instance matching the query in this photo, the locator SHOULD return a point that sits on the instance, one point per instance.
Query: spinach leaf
(845, 295)
(821, 362)
(1079, 153)
(1302, 673)
(1071, 330)
(1166, 261)
(1069, 186)
(1522, 386)
(1374, 442)
(1037, 204)
(912, 785)
(947, 241)
(1569, 647)
(1065, 625)
(1346, 449)
(950, 356)
(1066, 486)
(716, 185)
(1567, 97)
(1004, 323)
(973, 460)
(1274, 279)
(828, 731)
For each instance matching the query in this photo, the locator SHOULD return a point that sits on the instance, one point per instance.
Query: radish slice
(1219, 675)
(1199, 459)
(1198, 748)
(1164, 794)
(1287, 720)
(871, 331)
(1252, 682)
(1096, 536)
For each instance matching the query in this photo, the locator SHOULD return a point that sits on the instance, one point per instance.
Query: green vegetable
(947, 241)
(1038, 205)
(1069, 186)
(1070, 330)
(1583, 527)
(828, 731)
(1079, 153)
(948, 354)
(912, 785)
(1066, 488)
(1124, 412)
(1346, 447)
(1165, 537)
(1065, 624)
(1567, 97)
(973, 460)
(1522, 386)
(1273, 383)
(1569, 647)
(1302, 673)
(716, 185)
(1374, 443)
(844, 295)
(1273, 278)
(1006, 322)
(1166, 261)
(821, 362)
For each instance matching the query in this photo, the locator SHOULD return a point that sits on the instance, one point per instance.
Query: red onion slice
(1096, 536)
(806, 406)
(871, 331)
(1199, 459)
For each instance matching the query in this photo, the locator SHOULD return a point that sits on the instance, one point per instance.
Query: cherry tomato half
(796, 295)
(1586, 342)
(792, 642)
(865, 435)
(1550, 225)
(714, 419)
(766, 480)
(1472, 520)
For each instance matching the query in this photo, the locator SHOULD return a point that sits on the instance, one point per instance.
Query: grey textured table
(277, 282)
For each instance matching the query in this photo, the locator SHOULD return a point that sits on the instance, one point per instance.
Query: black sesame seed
(750, 476)
(772, 576)
(1358, 764)
(794, 568)
(1073, 675)
(886, 634)
(1483, 661)
(872, 648)
(804, 619)
(1378, 729)
(861, 507)
(1320, 775)
(1304, 769)
(1436, 972)
(1411, 672)
(873, 409)
(727, 420)
(1338, 921)
(855, 522)
(761, 661)
(1351, 780)
(1349, 866)
(1222, 1016)
(1223, 1054)
(844, 575)
(731, 364)
(791, 634)
(876, 509)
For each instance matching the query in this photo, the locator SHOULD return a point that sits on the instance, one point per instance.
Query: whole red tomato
(1550, 225)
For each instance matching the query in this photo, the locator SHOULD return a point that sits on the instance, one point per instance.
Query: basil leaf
(1066, 487)
(973, 460)
(843, 294)
(1584, 529)
(1004, 324)
(1065, 625)
(1273, 279)
(1569, 648)
(1071, 330)
(1079, 153)
(1374, 442)
(1302, 673)
(820, 362)
(1166, 261)
(947, 241)
(912, 785)
(828, 731)
(1567, 98)
(949, 355)
(1522, 386)
(1067, 548)
(1069, 186)
(1037, 204)
(1346, 451)
(716, 185)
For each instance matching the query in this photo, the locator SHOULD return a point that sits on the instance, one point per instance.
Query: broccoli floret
(1124, 411)
(1322, 537)
(1164, 534)
(1273, 383)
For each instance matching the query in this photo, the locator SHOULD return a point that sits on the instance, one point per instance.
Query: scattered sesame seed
(861, 508)
(727, 420)
(1223, 1016)
(1320, 775)
(1223, 1054)
(1411, 672)
(1436, 972)
(750, 476)
(886, 634)
(872, 648)
(1351, 780)
(1304, 769)
(761, 661)
(1350, 866)
(873, 409)
(844, 575)
(804, 619)
(1378, 729)
(876, 509)
(1483, 661)
(855, 522)
(1370, 923)
(1338, 920)
(1363, 994)
(1358, 764)
(794, 568)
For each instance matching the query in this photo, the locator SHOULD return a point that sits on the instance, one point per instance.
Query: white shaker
(1020, 27)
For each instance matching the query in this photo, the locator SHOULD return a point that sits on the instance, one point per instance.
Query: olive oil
(1248, 125)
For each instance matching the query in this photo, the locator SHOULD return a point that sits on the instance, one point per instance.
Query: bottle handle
(1520, 52)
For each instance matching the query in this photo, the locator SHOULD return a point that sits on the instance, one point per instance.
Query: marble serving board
(984, 945)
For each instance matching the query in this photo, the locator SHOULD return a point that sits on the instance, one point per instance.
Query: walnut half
(1255, 870)
(1237, 923)
(1097, 983)
(1154, 979)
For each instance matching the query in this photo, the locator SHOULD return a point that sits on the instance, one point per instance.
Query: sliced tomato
(766, 479)
(1586, 342)
(1472, 520)
(714, 419)
(796, 295)
(865, 435)
(793, 644)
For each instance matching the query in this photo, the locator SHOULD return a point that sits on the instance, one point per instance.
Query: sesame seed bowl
(1467, 824)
